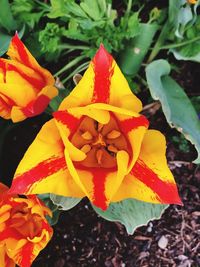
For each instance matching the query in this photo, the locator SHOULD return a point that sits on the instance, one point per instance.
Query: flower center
(100, 142)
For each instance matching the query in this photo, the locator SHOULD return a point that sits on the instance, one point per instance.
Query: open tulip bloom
(24, 230)
(98, 145)
(25, 87)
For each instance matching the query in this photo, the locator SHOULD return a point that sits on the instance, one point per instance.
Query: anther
(99, 155)
(87, 135)
(112, 149)
(113, 134)
(86, 148)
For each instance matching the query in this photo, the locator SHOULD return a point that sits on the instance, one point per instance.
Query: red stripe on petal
(133, 123)
(3, 68)
(99, 179)
(166, 192)
(103, 72)
(27, 255)
(24, 181)
(38, 84)
(19, 46)
(67, 119)
(37, 106)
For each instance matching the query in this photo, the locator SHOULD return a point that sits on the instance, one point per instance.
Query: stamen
(100, 126)
(87, 135)
(112, 148)
(99, 155)
(86, 148)
(113, 134)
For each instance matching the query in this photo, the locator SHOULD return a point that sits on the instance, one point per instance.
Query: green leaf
(131, 58)
(6, 18)
(132, 213)
(64, 203)
(176, 106)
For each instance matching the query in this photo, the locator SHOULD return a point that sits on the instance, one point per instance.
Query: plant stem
(69, 65)
(128, 9)
(77, 70)
(180, 44)
(163, 35)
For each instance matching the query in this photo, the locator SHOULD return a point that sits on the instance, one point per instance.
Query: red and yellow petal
(150, 179)
(18, 52)
(99, 184)
(34, 107)
(5, 261)
(43, 168)
(102, 82)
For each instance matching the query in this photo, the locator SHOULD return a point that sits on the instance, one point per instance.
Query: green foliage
(50, 40)
(176, 106)
(181, 143)
(131, 213)
(26, 12)
(6, 18)
(64, 203)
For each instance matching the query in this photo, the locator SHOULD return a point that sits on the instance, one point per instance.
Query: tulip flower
(98, 145)
(25, 87)
(24, 230)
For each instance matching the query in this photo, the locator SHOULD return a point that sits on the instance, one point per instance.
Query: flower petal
(18, 52)
(150, 179)
(5, 261)
(35, 107)
(43, 168)
(103, 82)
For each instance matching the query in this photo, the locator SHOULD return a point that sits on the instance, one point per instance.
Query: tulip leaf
(6, 18)
(132, 213)
(64, 203)
(131, 58)
(176, 106)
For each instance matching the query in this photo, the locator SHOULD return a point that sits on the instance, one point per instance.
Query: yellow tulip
(25, 87)
(24, 230)
(98, 145)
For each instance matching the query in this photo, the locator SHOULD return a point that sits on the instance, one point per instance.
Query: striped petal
(43, 168)
(150, 179)
(18, 52)
(5, 261)
(99, 184)
(102, 82)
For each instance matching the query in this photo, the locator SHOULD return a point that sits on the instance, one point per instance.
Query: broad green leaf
(91, 8)
(131, 58)
(132, 213)
(176, 106)
(64, 203)
(6, 18)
